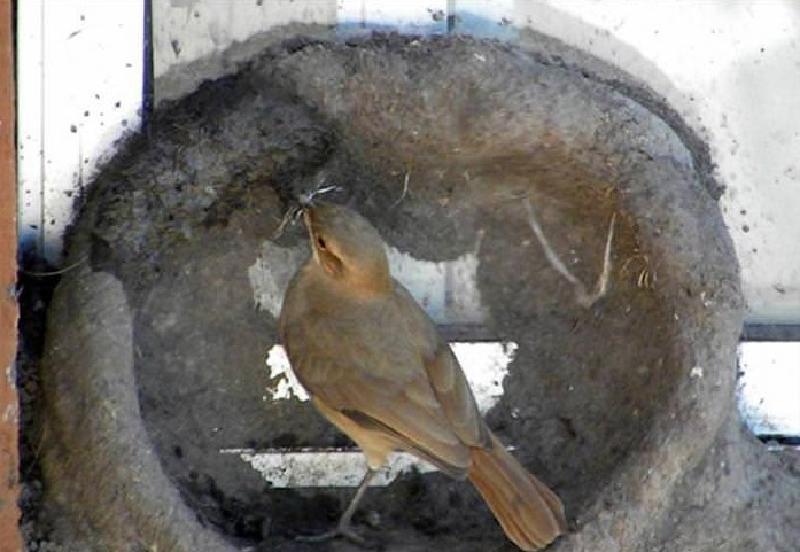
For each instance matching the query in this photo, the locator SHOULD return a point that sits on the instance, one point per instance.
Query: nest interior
(439, 143)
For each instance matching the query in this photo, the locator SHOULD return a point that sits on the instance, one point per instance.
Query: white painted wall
(769, 387)
(79, 79)
(186, 30)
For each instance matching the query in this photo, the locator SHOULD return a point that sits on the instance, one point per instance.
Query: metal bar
(148, 78)
(451, 18)
(771, 332)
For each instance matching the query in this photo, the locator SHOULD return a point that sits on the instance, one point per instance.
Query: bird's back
(383, 336)
(381, 362)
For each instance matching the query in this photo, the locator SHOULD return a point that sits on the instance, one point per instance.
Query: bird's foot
(344, 530)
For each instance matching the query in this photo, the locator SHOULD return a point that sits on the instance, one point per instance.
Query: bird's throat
(338, 281)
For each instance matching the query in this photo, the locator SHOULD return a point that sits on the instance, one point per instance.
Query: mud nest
(155, 353)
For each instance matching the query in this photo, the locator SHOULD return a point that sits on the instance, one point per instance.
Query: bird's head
(347, 247)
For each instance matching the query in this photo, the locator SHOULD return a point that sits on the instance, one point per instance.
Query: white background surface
(769, 388)
(79, 78)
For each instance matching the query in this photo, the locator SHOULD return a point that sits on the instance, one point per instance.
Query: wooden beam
(9, 460)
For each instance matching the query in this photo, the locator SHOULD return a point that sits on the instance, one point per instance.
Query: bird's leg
(344, 521)
(344, 527)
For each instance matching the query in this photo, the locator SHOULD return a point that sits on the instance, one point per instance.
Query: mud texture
(155, 348)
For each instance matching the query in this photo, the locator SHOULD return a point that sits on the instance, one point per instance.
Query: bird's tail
(531, 514)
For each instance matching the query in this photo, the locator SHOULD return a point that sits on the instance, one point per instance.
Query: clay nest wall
(155, 346)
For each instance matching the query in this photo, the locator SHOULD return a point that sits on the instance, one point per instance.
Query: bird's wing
(379, 380)
(456, 398)
(445, 376)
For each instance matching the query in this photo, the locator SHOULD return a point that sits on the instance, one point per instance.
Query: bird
(376, 367)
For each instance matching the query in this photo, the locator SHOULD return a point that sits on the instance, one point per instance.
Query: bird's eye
(320, 242)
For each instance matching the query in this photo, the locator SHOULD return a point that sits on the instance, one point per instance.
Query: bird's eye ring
(320, 242)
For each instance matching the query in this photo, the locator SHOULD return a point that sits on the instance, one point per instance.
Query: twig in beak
(290, 216)
(303, 201)
(307, 199)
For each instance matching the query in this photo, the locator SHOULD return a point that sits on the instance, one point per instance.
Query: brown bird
(375, 366)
